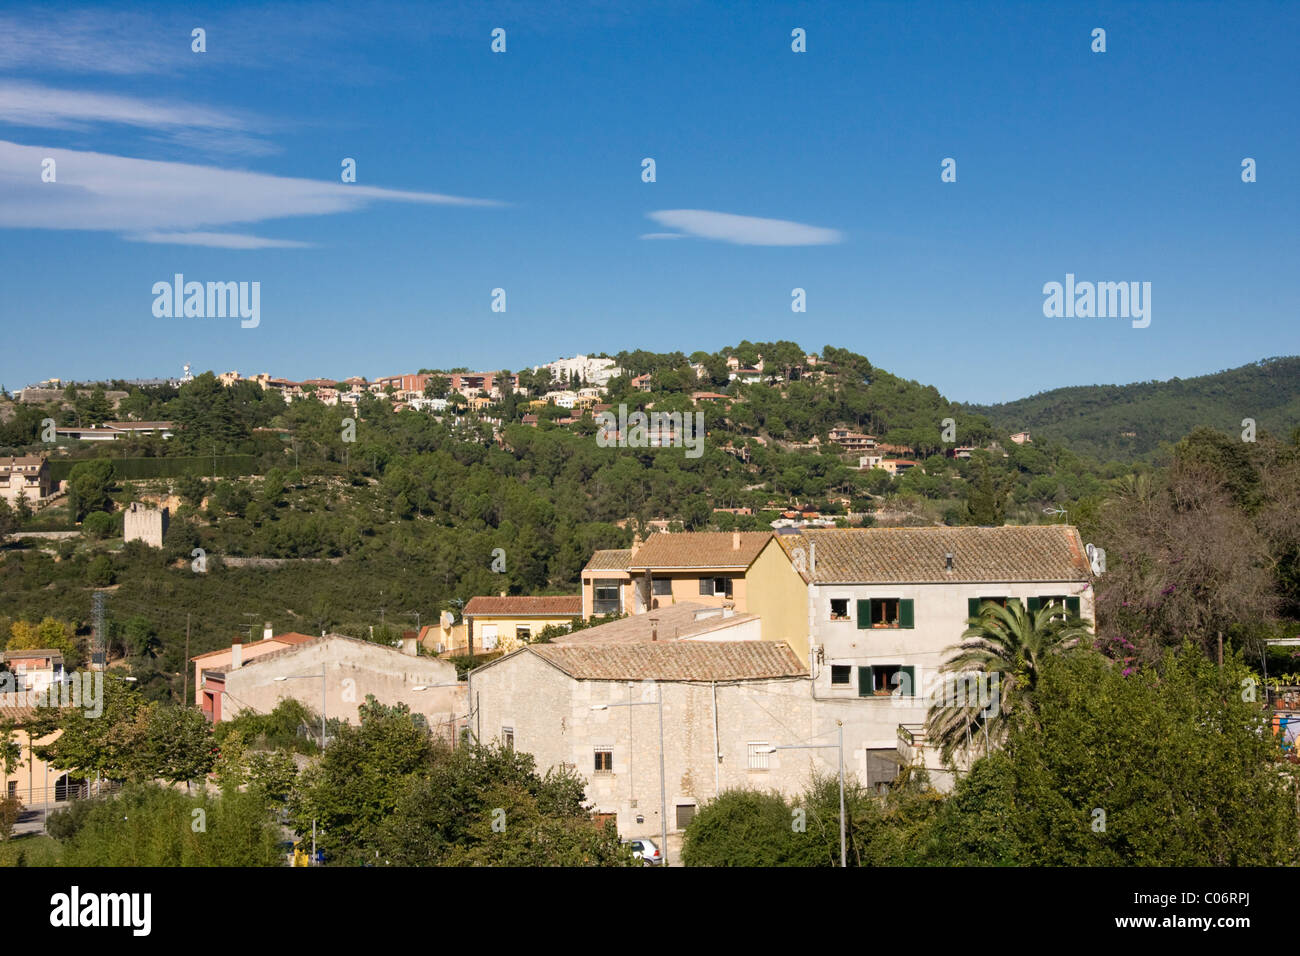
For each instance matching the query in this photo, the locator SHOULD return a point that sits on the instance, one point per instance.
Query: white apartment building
(594, 371)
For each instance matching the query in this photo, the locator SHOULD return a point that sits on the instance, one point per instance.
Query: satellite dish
(447, 618)
(1097, 558)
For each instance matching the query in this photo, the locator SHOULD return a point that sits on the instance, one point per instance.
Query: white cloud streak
(137, 197)
(741, 230)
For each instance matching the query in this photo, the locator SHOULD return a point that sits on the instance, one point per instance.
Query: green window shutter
(865, 686)
(1072, 605)
(706, 585)
(906, 613)
(1035, 605)
(908, 683)
(972, 607)
(864, 614)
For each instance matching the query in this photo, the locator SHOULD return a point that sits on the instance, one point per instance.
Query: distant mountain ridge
(1131, 421)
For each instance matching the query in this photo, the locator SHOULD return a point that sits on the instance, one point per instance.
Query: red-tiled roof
(524, 606)
(699, 549)
(674, 661)
(1046, 553)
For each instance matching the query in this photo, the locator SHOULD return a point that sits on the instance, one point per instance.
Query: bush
(11, 808)
(64, 823)
(98, 525)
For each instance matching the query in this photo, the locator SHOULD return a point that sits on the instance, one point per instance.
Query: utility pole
(185, 680)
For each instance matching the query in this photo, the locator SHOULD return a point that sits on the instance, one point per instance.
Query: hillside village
(278, 565)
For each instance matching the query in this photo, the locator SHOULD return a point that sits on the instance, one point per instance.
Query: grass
(36, 849)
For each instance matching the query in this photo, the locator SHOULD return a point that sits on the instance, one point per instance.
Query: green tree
(994, 671)
(90, 484)
(110, 742)
(1168, 766)
(178, 744)
(358, 781)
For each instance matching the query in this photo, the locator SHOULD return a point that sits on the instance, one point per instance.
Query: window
(887, 612)
(882, 767)
(604, 760)
(685, 814)
(508, 737)
(489, 637)
(839, 609)
(758, 754)
(886, 680)
(13, 788)
(607, 597)
(1067, 606)
(716, 587)
(523, 633)
(884, 612)
(662, 587)
(841, 674)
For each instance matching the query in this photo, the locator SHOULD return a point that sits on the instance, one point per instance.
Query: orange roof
(524, 606)
(699, 549)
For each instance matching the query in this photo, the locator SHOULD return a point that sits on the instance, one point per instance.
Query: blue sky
(522, 171)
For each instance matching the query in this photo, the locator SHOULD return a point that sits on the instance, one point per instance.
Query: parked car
(645, 851)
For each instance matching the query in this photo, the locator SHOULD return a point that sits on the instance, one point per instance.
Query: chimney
(267, 633)
(409, 647)
(236, 656)
(503, 593)
(812, 557)
(948, 559)
(654, 628)
(735, 541)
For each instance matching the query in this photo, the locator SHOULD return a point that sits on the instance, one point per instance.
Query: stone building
(142, 523)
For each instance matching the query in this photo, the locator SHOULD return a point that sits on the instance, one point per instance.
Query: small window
(841, 674)
(685, 814)
(604, 760)
(13, 788)
(663, 587)
(508, 737)
(758, 754)
(839, 609)
(607, 597)
(885, 679)
(523, 633)
(884, 612)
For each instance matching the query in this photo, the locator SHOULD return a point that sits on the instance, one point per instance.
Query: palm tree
(1004, 647)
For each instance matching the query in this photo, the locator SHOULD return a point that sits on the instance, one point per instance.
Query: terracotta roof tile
(673, 661)
(609, 560)
(699, 549)
(524, 606)
(671, 622)
(917, 555)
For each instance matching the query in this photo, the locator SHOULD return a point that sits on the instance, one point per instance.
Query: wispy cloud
(741, 230)
(218, 240)
(663, 235)
(32, 104)
(120, 42)
(137, 197)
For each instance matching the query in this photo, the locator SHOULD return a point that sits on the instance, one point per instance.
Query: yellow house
(33, 781)
(508, 623)
(744, 570)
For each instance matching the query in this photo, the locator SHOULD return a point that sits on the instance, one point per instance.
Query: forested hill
(1130, 421)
